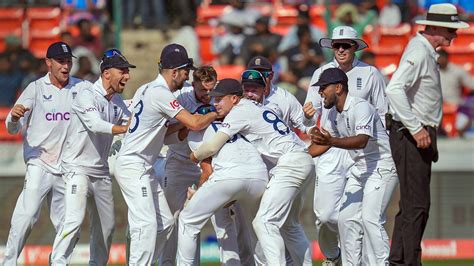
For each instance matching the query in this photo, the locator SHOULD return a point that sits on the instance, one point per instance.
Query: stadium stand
(229, 71)
(11, 23)
(4, 135)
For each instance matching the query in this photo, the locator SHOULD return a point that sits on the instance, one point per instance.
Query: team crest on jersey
(359, 83)
(347, 123)
(225, 125)
(115, 111)
(47, 98)
(174, 104)
(74, 94)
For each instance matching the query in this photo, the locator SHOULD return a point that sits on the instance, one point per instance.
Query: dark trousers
(414, 172)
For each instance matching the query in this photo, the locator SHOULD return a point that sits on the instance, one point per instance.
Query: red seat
(465, 36)
(205, 33)
(4, 135)
(280, 29)
(448, 124)
(285, 15)
(11, 21)
(387, 56)
(388, 36)
(229, 71)
(316, 13)
(461, 55)
(40, 40)
(206, 13)
(44, 17)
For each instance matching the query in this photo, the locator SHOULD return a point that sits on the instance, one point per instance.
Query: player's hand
(115, 147)
(191, 191)
(320, 136)
(205, 109)
(309, 110)
(18, 111)
(422, 139)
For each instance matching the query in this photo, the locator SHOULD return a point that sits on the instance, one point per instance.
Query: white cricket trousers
(149, 217)
(96, 194)
(331, 176)
(210, 198)
(180, 173)
(277, 221)
(366, 197)
(39, 184)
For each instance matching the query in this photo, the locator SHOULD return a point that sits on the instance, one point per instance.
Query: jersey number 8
(137, 110)
(277, 123)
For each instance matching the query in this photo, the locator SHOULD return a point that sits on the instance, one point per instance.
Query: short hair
(204, 74)
(443, 53)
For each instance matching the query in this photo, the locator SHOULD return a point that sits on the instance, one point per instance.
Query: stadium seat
(204, 33)
(11, 22)
(465, 36)
(206, 13)
(387, 55)
(316, 12)
(229, 71)
(4, 135)
(285, 15)
(388, 36)
(39, 40)
(44, 17)
(461, 55)
(448, 124)
(280, 29)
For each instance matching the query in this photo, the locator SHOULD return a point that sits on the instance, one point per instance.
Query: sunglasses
(254, 75)
(342, 45)
(111, 53)
(189, 64)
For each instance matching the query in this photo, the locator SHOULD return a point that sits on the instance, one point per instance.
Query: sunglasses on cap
(255, 75)
(111, 53)
(343, 45)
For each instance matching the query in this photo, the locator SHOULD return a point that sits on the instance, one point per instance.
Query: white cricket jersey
(90, 133)
(232, 160)
(44, 127)
(286, 106)
(364, 81)
(263, 128)
(187, 99)
(360, 117)
(154, 106)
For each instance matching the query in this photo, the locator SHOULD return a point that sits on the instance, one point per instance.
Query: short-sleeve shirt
(263, 128)
(360, 117)
(232, 160)
(154, 105)
(90, 133)
(286, 106)
(44, 127)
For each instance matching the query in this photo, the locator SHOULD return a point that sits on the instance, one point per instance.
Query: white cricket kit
(233, 178)
(286, 106)
(365, 82)
(371, 182)
(294, 168)
(86, 170)
(180, 173)
(44, 132)
(150, 219)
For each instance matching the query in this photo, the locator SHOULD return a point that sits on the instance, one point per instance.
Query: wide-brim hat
(341, 34)
(443, 15)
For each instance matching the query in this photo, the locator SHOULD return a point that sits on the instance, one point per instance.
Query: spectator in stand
(390, 15)
(150, 14)
(453, 79)
(87, 39)
(302, 60)
(10, 81)
(186, 36)
(348, 15)
(239, 11)
(85, 70)
(227, 46)
(19, 56)
(291, 38)
(38, 69)
(80, 51)
(262, 40)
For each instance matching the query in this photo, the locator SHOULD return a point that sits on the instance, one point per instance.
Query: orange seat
(229, 71)
(11, 18)
(465, 36)
(40, 40)
(205, 33)
(316, 13)
(386, 56)
(388, 36)
(461, 55)
(285, 15)
(4, 135)
(448, 124)
(206, 13)
(44, 17)
(280, 29)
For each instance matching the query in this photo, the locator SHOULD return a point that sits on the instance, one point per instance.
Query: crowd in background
(243, 33)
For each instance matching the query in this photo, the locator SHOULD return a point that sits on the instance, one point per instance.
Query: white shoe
(333, 262)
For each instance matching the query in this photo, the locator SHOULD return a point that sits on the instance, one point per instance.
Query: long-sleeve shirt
(453, 78)
(90, 133)
(414, 92)
(44, 126)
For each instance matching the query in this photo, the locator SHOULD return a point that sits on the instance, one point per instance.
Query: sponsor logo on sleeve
(225, 125)
(90, 109)
(365, 127)
(174, 104)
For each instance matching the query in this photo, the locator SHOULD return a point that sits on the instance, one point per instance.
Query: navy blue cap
(227, 87)
(260, 63)
(59, 50)
(175, 56)
(331, 76)
(113, 58)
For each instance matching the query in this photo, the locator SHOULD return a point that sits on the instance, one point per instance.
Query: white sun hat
(443, 15)
(343, 33)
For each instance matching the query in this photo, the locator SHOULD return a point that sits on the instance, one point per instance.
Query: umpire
(415, 99)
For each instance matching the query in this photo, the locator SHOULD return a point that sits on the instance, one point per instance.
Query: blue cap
(331, 76)
(175, 56)
(59, 50)
(227, 87)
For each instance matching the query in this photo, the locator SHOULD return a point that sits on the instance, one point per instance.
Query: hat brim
(62, 56)
(452, 25)
(215, 93)
(254, 81)
(327, 43)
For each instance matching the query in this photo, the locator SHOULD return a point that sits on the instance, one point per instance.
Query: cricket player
(97, 115)
(232, 178)
(149, 216)
(180, 171)
(354, 124)
(42, 114)
(294, 169)
(366, 82)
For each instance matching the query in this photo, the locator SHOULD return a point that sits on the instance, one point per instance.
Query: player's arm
(89, 115)
(21, 110)
(206, 170)
(195, 121)
(210, 147)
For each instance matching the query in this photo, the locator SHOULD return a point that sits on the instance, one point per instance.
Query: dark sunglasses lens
(112, 52)
(344, 46)
(251, 75)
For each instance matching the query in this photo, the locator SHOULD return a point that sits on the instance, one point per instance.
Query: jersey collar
(355, 62)
(428, 45)
(47, 81)
(348, 102)
(99, 87)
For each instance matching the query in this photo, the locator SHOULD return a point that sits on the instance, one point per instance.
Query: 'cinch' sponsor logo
(363, 127)
(90, 109)
(58, 116)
